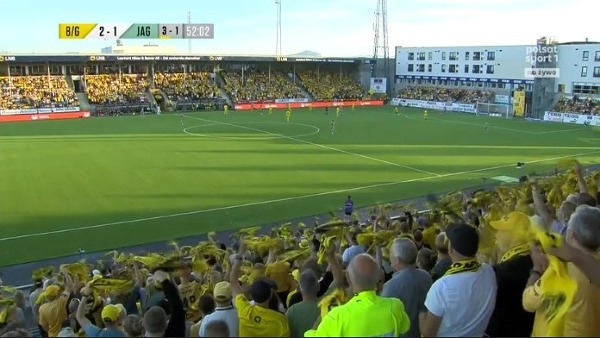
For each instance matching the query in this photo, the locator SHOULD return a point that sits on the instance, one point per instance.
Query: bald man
(356, 317)
(443, 260)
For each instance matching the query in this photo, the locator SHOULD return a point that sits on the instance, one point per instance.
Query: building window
(596, 71)
(411, 67)
(466, 69)
(430, 56)
(584, 71)
(443, 68)
(421, 68)
(453, 69)
(443, 55)
(411, 56)
(477, 56)
(491, 56)
(489, 69)
(586, 55)
(597, 56)
(421, 56)
(467, 54)
(429, 68)
(453, 56)
(476, 69)
(585, 89)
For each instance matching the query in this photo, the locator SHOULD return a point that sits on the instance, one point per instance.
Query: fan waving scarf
(556, 286)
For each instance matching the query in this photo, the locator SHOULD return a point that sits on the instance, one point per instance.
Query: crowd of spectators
(578, 105)
(115, 89)
(27, 92)
(186, 87)
(478, 263)
(442, 94)
(323, 85)
(257, 86)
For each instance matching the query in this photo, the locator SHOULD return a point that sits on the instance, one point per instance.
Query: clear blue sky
(329, 27)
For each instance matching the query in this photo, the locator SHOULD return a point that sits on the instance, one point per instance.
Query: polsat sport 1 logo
(7, 58)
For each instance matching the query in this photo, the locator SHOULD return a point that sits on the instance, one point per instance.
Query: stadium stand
(25, 92)
(324, 85)
(258, 86)
(110, 89)
(442, 94)
(578, 105)
(193, 90)
(286, 271)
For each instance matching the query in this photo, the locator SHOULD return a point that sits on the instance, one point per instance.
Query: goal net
(493, 109)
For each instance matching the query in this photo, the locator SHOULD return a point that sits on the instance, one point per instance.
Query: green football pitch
(104, 183)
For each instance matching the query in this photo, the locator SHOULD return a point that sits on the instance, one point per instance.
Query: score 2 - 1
(108, 31)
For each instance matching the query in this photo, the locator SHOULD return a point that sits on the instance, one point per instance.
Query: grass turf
(104, 183)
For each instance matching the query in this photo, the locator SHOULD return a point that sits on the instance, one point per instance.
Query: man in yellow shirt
(580, 320)
(53, 313)
(366, 314)
(256, 320)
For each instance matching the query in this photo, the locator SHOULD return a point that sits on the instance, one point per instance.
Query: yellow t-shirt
(532, 301)
(256, 321)
(54, 314)
(581, 319)
(190, 294)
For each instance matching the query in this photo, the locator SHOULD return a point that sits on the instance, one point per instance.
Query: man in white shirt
(223, 312)
(460, 303)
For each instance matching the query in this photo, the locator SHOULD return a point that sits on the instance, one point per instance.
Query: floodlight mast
(380, 41)
(278, 42)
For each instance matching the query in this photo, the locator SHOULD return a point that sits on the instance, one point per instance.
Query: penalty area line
(292, 198)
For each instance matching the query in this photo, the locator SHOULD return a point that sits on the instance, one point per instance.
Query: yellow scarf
(336, 298)
(517, 250)
(556, 287)
(463, 266)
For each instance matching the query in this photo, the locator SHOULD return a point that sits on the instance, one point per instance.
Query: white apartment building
(502, 67)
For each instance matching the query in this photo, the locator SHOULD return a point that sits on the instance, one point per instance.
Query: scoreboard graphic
(85, 31)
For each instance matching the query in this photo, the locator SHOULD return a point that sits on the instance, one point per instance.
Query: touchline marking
(502, 128)
(557, 131)
(316, 145)
(97, 226)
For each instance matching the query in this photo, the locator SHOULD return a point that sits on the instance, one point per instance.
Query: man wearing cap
(53, 313)
(224, 310)
(256, 320)
(111, 317)
(512, 273)
(460, 303)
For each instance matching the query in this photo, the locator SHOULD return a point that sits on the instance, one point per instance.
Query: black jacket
(509, 319)
(176, 327)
